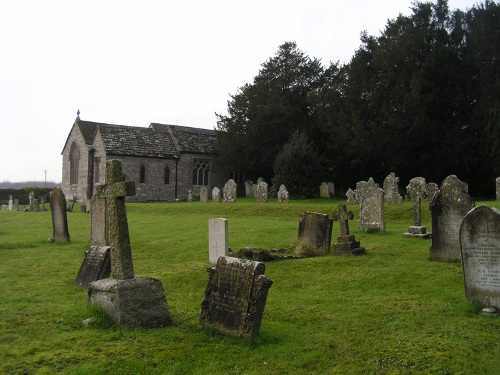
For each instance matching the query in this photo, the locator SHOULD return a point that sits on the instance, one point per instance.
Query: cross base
(347, 245)
(417, 231)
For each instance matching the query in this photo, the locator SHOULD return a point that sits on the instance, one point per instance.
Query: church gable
(190, 140)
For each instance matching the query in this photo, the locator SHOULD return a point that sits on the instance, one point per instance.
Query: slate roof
(88, 130)
(188, 139)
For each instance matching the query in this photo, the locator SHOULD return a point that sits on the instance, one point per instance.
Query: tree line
(420, 99)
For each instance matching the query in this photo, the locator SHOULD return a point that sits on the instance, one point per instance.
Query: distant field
(391, 311)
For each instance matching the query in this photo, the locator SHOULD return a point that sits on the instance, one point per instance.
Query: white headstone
(217, 239)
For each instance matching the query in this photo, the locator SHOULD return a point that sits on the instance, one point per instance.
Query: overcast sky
(137, 62)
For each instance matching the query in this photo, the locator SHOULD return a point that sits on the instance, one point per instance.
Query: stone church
(165, 161)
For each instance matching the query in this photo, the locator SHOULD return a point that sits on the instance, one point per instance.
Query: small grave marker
(217, 239)
(347, 243)
(96, 266)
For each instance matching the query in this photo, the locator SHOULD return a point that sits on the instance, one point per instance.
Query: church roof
(88, 130)
(188, 139)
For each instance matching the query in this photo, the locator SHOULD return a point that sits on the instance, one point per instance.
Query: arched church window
(142, 178)
(200, 172)
(167, 175)
(74, 161)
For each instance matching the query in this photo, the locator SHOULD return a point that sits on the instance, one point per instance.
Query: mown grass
(392, 311)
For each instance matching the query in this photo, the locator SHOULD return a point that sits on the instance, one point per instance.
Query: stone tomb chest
(235, 297)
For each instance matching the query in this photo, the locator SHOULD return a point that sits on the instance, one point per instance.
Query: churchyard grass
(391, 311)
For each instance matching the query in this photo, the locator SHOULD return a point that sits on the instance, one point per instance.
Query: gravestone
(16, 204)
(203, 194)
(351, 196)
(190, 195)
(11, 203)
(283, 196)
(59, 218)
(416, 191)
(132, 302)
(331, 189)
(315, 229)
(371, 206)
(96, 266)
(262, 192)
(448, 208)
(248, 189)
(391, 189)
(323, 190)
(480, 254)
(229, 191)
(346, 242)
(216, 194)
(260, 179)
(70, 206)
(217, 239)
(36, 205)
(498, 188)
(254, 190)
(98, 226)
(31, 197)
(430, 189)
(235, 297)
(42, 201)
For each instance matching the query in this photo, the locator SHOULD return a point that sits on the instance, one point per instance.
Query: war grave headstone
(95, 266)
(132, 302)
(497, 181)
(229, 191)
(351, 196)
(371, 206)
(448, 208)
(430, 189)
(391, 189)
(323, 190)
(203, 194)
(262, 191)
(283, 196)
(315, 229)
(11, 203)
(216, 194)
(416, 191)
(218, 243)
(235, 297)
(480, 254)
(59, 218)
(346, 242)
(249, 189)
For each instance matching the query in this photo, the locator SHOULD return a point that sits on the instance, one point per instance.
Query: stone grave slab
(96, 266)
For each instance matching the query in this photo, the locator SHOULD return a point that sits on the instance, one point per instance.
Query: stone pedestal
(417, 231)
(347, 245)
(138, 302)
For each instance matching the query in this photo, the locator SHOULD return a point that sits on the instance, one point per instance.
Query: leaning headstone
(96, 266)
(59, 218)
(216, 194)
(315, 229)
(217, 239)
(323, 190)
(229, 191)
(351, 196)
(346, 242)
(283, 196)
(331, 189)
(11, 203)
(430, 189)
(448, 208)
(262, 192)
(391, 189)
(480, 254)
(203, 194)
(249, 189)
(416, 190)
(371, 206)
(132, 302)
(235, 297)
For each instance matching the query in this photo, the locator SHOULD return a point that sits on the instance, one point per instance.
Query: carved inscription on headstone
(480, 251)
(235, 297)
(95, 266)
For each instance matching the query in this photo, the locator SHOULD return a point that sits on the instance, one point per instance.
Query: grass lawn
(391, 311)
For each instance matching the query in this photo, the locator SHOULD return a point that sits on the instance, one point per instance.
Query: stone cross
(343, 216)
(114, 192)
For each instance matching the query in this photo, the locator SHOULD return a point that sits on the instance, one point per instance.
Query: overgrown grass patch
(391, 311)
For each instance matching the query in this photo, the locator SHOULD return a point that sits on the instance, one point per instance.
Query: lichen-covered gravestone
(315, 229)
(262, 192)
(371, 206)
(346, 242)
(59, 217)
(497, 186)
(203, 194)
(249, 189)
(98, 224)
(416, 191)
(448, 208)
(480, 254)
(283, 196)
(132, 302)
(229, 191)
(95, 266)
(323, 190)
(391, 189)
(431, 189)
(217, 239)
(351, 196)
(216, 194)
(235, 297)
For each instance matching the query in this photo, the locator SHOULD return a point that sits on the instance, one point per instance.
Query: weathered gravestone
(346, 242)
(70, 206)
(262, 192)
(249, 189)
(416, 192)
(36, 205)
(448, 208)
(190, 195)
(323, 190)
(235, 297)
(315, 229)
(216, 194)
(497, 181)
(31, 197)
(430, 189)
(59, 218)
(391, 189)
(371, 206)
(16, 204)
(351, 196)
(96, 266)
(283, 196)
(11, 203)
(480, 254)
(331, 189)
(98, 228)
(132, 302)
(203, 194)
(217, 239)
(229, 191)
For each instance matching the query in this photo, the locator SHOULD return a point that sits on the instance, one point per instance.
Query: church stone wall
(77, 191)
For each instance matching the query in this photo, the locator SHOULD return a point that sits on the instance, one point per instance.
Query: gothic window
(142, 178)
(167, 175)
(97, 163)
(74, 160)
(200, 172)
